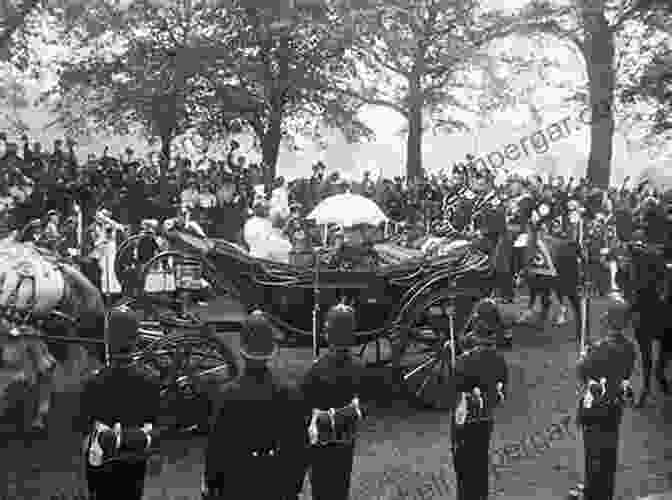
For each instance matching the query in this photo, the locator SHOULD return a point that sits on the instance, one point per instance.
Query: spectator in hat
(259, 430)
(229, 214)
(118, 394)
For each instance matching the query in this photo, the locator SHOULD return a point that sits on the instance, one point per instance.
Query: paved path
(405, 453)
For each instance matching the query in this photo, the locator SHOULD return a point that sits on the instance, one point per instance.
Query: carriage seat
(449, 255)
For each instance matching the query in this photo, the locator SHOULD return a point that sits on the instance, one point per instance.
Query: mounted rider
(521, 206)
(489, 224)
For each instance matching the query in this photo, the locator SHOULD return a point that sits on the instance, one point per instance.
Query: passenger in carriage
(296, 230)
(263, 238)
(356, 252)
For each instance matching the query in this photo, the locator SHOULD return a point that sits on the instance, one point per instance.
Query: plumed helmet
(481, 367)
(611, 357)
(340, 325)
(122, 330)
(257, 341)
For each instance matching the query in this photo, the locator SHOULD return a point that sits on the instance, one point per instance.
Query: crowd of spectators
(36, 184)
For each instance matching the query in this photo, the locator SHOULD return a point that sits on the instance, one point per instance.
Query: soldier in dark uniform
(259, 434)
(521, 207)
(119, 394)
(490, 223)
(480, 379)
(331, 390)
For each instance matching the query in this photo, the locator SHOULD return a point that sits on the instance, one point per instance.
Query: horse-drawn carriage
(406, 311)
(47, 305)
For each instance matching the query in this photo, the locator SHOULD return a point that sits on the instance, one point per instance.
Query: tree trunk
(164, 197)
(414, 116)
(599, 56)
(270, 146)
(273, 134)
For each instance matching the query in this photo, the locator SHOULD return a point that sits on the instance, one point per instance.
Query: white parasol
(347, 210)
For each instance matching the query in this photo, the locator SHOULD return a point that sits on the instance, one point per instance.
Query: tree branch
(373, 101)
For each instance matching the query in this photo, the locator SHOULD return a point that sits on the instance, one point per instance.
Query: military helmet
(486, 316)
(340, 325)
(257, 341)
(617, 316)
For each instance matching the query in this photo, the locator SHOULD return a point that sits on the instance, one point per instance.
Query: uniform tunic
(256, 440)
(118, 394)
(332, 382)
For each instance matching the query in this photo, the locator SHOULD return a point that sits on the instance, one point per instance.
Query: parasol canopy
(347, 210)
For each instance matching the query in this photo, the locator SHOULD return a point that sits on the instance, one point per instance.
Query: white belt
(522, 240)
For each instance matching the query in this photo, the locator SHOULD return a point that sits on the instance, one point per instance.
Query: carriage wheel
(424, 351)
(185, 364)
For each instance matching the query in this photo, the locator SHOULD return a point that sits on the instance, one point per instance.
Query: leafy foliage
(147, 68)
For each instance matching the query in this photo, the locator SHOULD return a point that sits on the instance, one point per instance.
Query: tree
(285, 61)
(592, 26)
(13, 15)
(654, 83)
(409, 55)
(146, 69)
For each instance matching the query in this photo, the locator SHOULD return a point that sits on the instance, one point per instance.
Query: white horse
(34, 285)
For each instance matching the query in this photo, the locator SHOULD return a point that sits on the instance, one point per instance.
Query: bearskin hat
(340, 325)
(257, 341)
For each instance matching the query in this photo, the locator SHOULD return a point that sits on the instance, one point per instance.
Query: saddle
(335, 426)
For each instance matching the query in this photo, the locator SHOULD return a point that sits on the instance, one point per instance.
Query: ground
(403, 453)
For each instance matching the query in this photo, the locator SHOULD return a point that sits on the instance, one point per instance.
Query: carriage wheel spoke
(424, 364)
(426, 380)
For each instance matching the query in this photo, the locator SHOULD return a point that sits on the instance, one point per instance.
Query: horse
(646, 279)
(41, 295)
(552, 265)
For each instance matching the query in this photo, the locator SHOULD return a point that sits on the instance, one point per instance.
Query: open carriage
(404, 310)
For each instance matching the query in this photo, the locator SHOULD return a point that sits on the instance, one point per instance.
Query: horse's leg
(529, 314)
(645, 348)
(575, 303)
(664, 357)
(545, 304)
(562, 319)
(43, 392)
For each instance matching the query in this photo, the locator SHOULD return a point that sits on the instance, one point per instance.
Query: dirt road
(404, 453)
